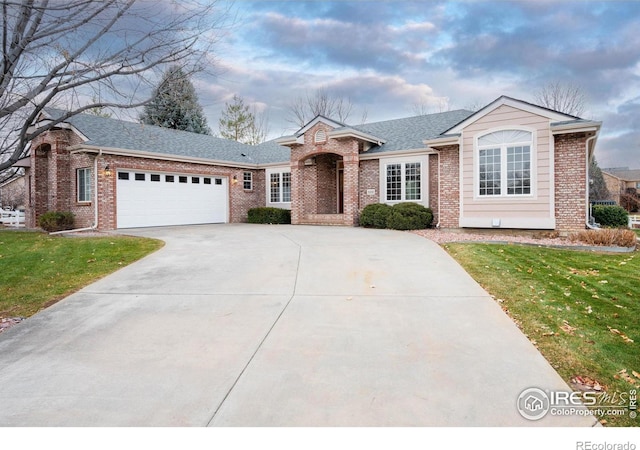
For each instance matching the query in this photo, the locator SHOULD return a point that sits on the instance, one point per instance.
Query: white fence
(12, 218)
(634, 221)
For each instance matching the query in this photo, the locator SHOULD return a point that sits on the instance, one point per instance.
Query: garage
(148, 199)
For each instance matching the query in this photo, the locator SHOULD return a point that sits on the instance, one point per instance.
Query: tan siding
(537, 207)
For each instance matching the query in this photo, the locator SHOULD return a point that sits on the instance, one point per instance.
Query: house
(511, 164)
(624, 186)
(13, 193)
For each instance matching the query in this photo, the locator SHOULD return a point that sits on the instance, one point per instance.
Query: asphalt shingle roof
(408, 133)
(118, 134)
(399, 134)
(625, 174)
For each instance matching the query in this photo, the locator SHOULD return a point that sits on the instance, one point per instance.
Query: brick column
(297, 194)
(449, 187)
(570, 161)
(351, 189)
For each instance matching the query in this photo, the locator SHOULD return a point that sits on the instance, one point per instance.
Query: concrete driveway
(250, 325)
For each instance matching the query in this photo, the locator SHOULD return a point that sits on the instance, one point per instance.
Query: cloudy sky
(388, 56)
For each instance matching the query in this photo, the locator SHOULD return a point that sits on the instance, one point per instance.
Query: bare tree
(304, 108)
(58, 53)
(259, 128)
(424, 108)
(567, 98)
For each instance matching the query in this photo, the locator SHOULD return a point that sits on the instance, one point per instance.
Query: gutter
(95, 197)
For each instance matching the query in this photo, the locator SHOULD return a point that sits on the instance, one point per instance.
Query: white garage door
(147, 199)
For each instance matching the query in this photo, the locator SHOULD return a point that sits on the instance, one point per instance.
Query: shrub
(409, 216)
(610, 215)
(606, 236)
(56, 221)
(375, 215)
(267, 214)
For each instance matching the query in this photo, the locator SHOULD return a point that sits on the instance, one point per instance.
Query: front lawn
(36, 269)
(580, 309)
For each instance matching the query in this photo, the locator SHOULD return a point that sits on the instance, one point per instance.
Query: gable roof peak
(319, 118)
(554, 116)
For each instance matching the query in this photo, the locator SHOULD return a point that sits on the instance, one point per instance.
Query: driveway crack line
(275, 322)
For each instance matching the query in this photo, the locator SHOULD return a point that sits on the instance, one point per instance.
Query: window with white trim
(247, 181)
(320, 137)
(403, 181)
(504, 163)
(280, 187)
(84, 184)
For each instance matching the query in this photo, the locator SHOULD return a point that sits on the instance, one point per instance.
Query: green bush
(409, 216)
(267, 214)
(611, 216)
(56, 221)
(375, 215)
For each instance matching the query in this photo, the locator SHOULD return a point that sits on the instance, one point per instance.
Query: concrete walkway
(243, 325)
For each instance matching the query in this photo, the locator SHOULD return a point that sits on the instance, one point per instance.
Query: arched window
(320, 137)
(504, 163)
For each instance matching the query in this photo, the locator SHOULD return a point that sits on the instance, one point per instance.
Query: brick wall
(314, 187)
(240, 201)
(50, 176)
(449, 187)
(54, 182)
(327, 176)
(433, 187)
(570, 161)
(369, 179)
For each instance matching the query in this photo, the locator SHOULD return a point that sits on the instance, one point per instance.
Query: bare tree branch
(63, 52)
(567, 98)
(304, 108)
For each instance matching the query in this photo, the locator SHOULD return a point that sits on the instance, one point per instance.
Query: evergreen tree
(237, 123)
(175, 104)
(597, 187)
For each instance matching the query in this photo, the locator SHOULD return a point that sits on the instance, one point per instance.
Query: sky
(389, 56)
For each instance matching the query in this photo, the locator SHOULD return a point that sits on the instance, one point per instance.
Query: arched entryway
(322, 189)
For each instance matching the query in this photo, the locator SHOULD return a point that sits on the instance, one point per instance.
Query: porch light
(107, 171)
(235, 179)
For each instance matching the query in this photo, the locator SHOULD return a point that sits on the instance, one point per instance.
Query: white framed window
(504, 161)
(279, 187)
(83, 177)
(403, 179)
(247, 181)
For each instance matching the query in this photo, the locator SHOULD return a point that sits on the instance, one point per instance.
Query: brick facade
(314, 179)
(449, 187)
(433, 187)
(54, 184)
(570, 183)
(369, 181)
(330, 183)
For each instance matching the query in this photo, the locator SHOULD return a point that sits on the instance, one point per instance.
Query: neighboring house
(13, 193)
(622, 183)
(510, 165)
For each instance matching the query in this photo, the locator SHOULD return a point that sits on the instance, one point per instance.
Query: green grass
(637, 231)
(568, 303)
(36, 269)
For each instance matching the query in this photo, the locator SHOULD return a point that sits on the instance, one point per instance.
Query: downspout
(438, 153)
(95, 198)
(591, 227)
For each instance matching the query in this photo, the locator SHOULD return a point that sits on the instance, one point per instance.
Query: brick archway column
(351, 189)
(297, 194)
